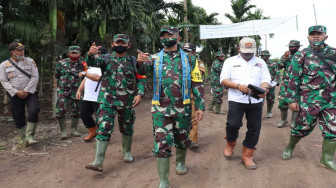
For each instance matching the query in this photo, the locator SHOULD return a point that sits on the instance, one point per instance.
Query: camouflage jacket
(216, 70)
(310, 79)
(67, 77)
(171, 102)
(284, 64)
(274, 71)
(119, 82)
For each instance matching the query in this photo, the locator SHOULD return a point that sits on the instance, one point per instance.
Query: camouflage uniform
(68, 82)
(117, 93)
(312, 86)
(171, 119)
(275, 76)
(284, 64)
(217, 90)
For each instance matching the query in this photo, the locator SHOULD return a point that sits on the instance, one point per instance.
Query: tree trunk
(102, 27)
(5, 16)
(185, 20)
(53, 24)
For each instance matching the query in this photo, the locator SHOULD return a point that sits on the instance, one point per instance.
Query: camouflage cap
(294, 43)
(74, 49)
(169, 29)
(15, 46)
(122, 37)
(265, 52)
(318, 28)
(219, 53)
(189, 47)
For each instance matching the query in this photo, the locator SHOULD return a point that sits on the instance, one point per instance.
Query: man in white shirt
(237, 73)
(89, 103)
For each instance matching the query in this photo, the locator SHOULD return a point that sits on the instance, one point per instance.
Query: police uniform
(13, 81)
(312, 86)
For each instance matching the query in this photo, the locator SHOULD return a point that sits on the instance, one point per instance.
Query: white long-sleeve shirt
(239, 71)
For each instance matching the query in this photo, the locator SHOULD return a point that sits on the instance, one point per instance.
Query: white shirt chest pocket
(237, 71)
(10, 72)
(256, 72)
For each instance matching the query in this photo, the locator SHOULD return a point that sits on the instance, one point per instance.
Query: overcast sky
(325, 12)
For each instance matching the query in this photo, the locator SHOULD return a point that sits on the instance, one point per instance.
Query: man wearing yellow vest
(197, 72)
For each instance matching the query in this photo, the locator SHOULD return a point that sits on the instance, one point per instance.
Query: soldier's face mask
(168, 42)
(293, 49)
(247, 56)
(265, 58)
(18, 57)
(120, 49)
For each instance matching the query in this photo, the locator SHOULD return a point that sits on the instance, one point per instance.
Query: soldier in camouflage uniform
(68, 81)
(175, 74)
(284, 63)
(21, 88)
(117, 95)
(312, 93)
(191, 49)
(217, 90)
(275, 76)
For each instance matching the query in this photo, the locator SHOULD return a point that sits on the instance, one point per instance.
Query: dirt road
(55, 163)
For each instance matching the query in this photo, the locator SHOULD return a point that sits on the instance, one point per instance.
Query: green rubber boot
(97, 164)
(211, 105)
(180, 161)
(163, 166)
(269, 110)
(30, 132)
(218, 108)
(328, 152)
(126, 147)
(288, 151)
(62, 124)
(22, 132)
(294, 115)
(74, 126)
(283, 121)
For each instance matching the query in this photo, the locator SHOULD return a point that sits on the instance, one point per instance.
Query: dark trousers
(88, 108)
(18, 109)
(235, 115)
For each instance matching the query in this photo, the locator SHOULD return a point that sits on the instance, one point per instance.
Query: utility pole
(315, 14)
(185, 20)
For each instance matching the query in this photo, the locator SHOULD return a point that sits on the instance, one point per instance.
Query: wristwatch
(84, 73)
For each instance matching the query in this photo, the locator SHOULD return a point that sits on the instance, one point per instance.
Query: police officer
(19, 76)
(312, 93)
(217, 90)
(275, 76)
(199, 71)
(117, 96)
(284, 63)
(68, 80)
(171, 110)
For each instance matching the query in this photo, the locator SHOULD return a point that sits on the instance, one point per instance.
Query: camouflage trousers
(307, 119)
(106, 115)
(194, 131)
(61, 105)
(283, 105)
(270, 96)
(217, 94)
(169, 132)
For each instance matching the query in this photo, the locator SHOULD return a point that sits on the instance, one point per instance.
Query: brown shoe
(229, 149)
(247, 158)
(92, 134)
